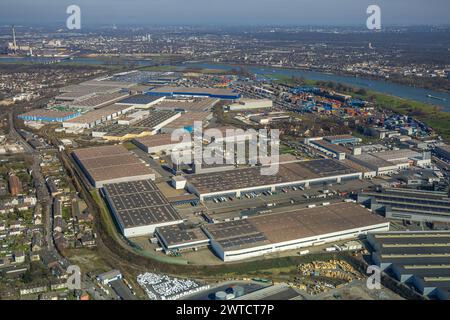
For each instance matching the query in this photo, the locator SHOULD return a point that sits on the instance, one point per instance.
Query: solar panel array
(139, 203)
(175, 234)
(236, 234)
(252, 177)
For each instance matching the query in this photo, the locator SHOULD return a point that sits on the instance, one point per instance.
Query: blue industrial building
(45, 115)
(342, 139)
(224, 94)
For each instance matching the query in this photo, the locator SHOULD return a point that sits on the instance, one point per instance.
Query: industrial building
(187, 105)
(141, 101)
(265, 119)
(95, 117)
(388, 162)
(224, 94)
(419, 259)
(409, 204)
(139, 207)
(162, 143)
(109, 276)
(46, 115)
(111, 164)
(240, 181)
(97, 101)
(249, 104)
(151, 124)
(443, 151)
(298, 228)
(186, 121)
(342, 139)
(179, 237)
(337, 151)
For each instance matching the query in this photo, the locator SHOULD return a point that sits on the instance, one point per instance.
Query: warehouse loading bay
(256, 203)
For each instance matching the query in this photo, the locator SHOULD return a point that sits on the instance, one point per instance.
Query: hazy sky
(232, 12)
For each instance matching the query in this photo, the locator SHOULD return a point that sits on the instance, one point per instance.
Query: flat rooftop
(188, 119)
(99, 114)
(180, 234)
(98, 100)
(373, 160)
(148, 124)
(331, 146)
(251, 177)
(139, 203)
(110, 162)
(192, 105)
(291, 225)
(48, 113)
(190, 90)
(140, 99)
(340, 137)
(157, 140)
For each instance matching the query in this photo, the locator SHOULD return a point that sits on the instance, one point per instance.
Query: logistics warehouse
(256, 236)
(224, 94)
(240, 181)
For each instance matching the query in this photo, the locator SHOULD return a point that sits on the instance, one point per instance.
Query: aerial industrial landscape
(212, 163)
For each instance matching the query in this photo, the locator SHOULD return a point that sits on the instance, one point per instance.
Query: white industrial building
(159, 143)
(266, 234)
(249, 104)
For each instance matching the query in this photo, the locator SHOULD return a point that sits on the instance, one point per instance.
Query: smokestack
(14, 39)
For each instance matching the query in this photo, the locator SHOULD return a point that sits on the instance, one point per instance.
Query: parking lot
(229, 207)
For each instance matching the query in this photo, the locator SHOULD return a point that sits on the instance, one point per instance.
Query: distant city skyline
(230, 12)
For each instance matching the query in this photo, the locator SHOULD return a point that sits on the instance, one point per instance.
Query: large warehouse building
(139, 207)
(95, 117)
(149, 125)
(225, 94)
(162, 143)
(240, 181)
(46, 115)
(420, 259)
(264, 234)
(111, 164)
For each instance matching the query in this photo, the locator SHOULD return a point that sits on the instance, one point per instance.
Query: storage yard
(163, 287)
